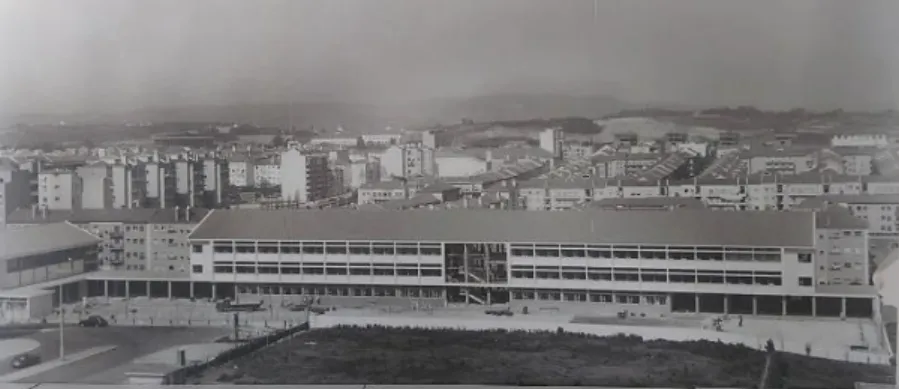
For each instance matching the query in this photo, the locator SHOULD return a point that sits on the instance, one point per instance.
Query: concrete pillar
(149, 294)
(127, 289)
(170, 289)
(783, 305)
(726, 304)
(814, 307)
(696, 302)
(755, 305)
(106, 289)
(842, 308)
(191, 286)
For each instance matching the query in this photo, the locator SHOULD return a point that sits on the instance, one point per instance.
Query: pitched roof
(21, 242)
(680, 227)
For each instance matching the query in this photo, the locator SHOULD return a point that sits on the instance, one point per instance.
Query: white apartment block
(128, 189)
(241, 172)
(407, 161)
(861, 140)
(59, 190)
(96, 186)
(267, 173)
(553, 141)
(304, 177)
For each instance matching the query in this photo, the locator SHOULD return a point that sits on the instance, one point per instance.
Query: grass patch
(383, 355)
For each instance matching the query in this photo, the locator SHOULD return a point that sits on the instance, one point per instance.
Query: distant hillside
(367, 118)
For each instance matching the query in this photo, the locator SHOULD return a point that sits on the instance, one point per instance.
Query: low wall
(649, 333)
(179, 376)
(340, 301)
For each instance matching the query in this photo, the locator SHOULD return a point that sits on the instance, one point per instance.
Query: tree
(278, 141)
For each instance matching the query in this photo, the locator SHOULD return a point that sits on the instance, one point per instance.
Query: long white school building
(772, 263)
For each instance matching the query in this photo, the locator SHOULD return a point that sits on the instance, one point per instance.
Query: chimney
(177, 212)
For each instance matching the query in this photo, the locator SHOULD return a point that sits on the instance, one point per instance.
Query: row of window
(326, 248)
(644, 254)
(602, 298)
(331, 269)
(648, 275)
(354, 291)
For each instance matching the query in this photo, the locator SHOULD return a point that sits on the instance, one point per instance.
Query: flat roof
(687, 227)
(48, 238)
(122, 215)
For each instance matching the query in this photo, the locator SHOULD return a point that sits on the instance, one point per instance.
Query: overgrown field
(380, 355)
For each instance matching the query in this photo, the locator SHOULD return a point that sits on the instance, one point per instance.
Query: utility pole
(62, 319)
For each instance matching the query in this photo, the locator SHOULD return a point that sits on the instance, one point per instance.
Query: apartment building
(379, 192)
(129, 185)
(59, 190)
(28, 257)
(161, 184)
(643, 261)
(880, 212)
(577, 151)
(407, 161)
(130, 239)
(873, 139)
(857, 161)
(624, 164)
(267, 172)
(15, 189)
(305, 177)
(553, 141)
(96, 185)
(784, 160)
(241, 171)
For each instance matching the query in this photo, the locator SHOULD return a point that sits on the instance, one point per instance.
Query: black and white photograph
(449, 194)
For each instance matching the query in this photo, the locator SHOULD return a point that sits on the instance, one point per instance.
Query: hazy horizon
(123, 55)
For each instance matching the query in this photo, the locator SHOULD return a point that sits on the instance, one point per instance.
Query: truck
(228, 306)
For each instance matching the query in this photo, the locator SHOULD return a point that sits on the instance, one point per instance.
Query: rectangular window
(197, 268)
(197, 248)
(805, 281)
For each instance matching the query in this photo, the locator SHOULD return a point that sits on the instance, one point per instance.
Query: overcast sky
(89, 55)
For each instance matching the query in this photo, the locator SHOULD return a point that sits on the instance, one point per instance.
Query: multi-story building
(131, 239)
(429, 139)
(161, 184)
(15, 189)
(553, 141)
(96, 185)
(129, 185)
(677, 261)
(452, 163)
(789, 160)
(624, 164)
(407, 161)
(577, 151)
(59, 190)
(267, 173)
(873, 139)
(880, 212)
(241, 171)
(305, 177)
(378, 192)
(857, 161)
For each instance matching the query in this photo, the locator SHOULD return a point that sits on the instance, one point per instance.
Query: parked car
(500, 312)
(25, 360)
(93, 321)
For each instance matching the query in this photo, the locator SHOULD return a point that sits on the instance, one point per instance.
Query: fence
(179, 376)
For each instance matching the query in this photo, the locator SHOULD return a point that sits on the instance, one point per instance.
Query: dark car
(25, 360)
(93, 321)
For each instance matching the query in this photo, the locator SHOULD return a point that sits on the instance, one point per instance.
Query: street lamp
(62, 319)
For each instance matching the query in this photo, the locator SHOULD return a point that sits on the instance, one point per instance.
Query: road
(130, 342)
